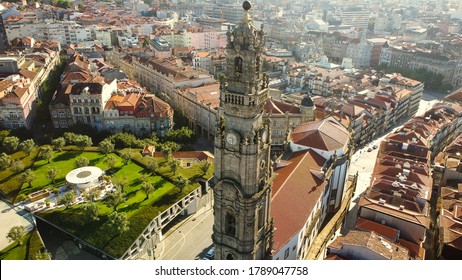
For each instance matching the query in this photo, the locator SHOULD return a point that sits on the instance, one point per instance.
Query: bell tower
(243, 226)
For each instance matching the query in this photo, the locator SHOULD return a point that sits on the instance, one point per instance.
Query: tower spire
(242, 193)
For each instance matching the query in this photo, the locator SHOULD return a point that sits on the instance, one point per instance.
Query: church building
(266, 208)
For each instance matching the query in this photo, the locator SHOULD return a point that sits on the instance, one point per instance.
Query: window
(238, 64)
(230, 224)
(54, 114)
(261, 217)
(286, 253)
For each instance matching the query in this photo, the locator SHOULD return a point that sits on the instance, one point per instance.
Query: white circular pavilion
(84, 177)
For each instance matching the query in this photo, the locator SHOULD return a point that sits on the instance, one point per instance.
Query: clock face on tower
(231, 138)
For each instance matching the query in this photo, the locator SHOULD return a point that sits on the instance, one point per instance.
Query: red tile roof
(326, 135)
(276, 107)
(296, 190)
(388, 232)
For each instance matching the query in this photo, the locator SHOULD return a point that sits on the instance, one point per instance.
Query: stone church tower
(243, 226)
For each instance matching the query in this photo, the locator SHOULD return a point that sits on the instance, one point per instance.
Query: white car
(210, 253)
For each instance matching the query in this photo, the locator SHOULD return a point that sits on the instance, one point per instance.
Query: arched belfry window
(230, 257)
(238, 64)
(230, 225)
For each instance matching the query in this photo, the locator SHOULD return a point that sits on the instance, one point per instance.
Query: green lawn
(32, 244)
(9, 182)
(65, 162)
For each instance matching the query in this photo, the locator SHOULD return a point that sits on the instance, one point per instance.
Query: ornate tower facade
(243, 226)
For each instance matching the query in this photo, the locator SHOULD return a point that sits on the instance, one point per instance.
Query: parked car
(369, 149)
(375, 147)
(210, 254)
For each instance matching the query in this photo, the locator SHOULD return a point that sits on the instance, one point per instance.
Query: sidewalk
(9, 218)
(179, 233)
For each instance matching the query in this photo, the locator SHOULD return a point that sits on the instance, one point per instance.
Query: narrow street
(363, 162)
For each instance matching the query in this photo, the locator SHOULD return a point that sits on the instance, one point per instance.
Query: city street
(188, 240)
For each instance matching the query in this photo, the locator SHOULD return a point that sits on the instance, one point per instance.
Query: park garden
(142, 186)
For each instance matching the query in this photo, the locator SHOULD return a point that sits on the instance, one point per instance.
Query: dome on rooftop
(307, 101)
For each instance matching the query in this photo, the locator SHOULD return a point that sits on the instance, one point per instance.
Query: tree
(16, 234)
(91, 211)
(106, 146)
(183, 135)
(181, 182)
(27, 146)
(172, 146)
(122, 183)
(52, 172)
(93, 195)
(174, 165)
(68, 198)
(4, 134)
(27, 176)
(124, 140)
(65, 4)
(205, 165)
(5, 161)
(114, 199)
(58, 143)
(110, 161)
(11, 143)
(126, 156)
(167, 154)
(82, 7)
(81, 161)
(152, 166)
(83, 141)
(47, 153)
(118, 222)
(147, 188)
(70, 138)
(16, 166)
